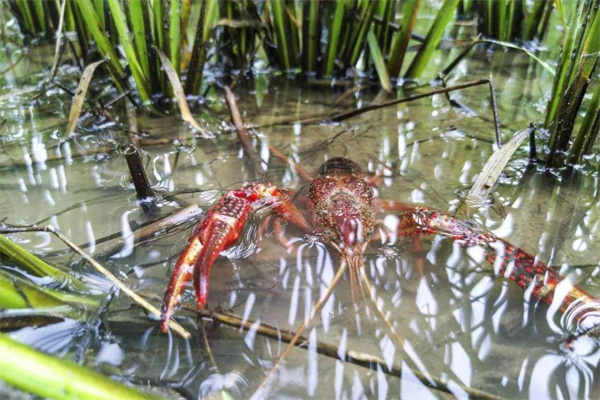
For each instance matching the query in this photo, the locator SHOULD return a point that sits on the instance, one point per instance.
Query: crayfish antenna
(367, 284)
(355, 266)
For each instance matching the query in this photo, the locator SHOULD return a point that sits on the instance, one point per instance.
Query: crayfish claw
(181, 274)
(218, 230)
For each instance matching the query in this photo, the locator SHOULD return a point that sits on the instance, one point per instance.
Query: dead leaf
(184, 108)
(493, 168)
(79, 97)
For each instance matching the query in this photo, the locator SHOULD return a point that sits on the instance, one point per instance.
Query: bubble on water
(387, 252)
(111, 354)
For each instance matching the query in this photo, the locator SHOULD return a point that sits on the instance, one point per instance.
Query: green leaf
(36, 265)
(444, 16)
(50, 377)
(379, 62)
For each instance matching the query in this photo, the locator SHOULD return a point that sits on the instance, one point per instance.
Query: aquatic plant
(319, 38)
(578, 61)
(322, 39)
(50, 377)
(510, 20)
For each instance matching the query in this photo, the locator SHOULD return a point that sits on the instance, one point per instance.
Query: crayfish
(342, 211)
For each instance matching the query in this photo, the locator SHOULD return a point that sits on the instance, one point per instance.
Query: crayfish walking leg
(539, 281)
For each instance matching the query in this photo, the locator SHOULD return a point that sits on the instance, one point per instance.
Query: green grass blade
(561, 14)
(138, 27)
(512, 17)
(26, 16)
(281, 38)
(196, 67)
(69, 17)
(365, 25)
(83, 33)
(175, 35)
(158, 40)
(92, 24)
(212, 17)
(36, 265)
(292, 25)
(17, 292)
(311, 35)
(533, 21)
(125, 38)
(490, 18)
(569, 105)
(545, 21)
(402, 37)
(350, 28)
(467, 5)
(434, 36)
(40, 15)
(334, 37)
(586, 135)
(500, 22)
(99, 7)
(565, 63)
(379, 62)
(50, 377)
(159, 14)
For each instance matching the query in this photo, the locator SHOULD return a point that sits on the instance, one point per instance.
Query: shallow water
(455, 319)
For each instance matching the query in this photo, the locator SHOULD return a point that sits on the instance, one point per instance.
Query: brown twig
(259, 393)
(495, 111)
(299, 170)
(102, 270)
(242, 133)
(133, 125)
(58, 47)
(351, 356)
(144, 191)
(337, 117)
(180, 217)
(353, 113)
(532, 148)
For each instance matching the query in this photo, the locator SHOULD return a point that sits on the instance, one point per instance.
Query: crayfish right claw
(218, 230)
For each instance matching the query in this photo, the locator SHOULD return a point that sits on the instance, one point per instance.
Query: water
(458, 321)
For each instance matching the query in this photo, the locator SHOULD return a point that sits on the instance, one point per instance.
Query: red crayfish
(342, 211)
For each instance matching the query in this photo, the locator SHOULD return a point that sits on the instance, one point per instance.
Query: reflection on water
(458, 321)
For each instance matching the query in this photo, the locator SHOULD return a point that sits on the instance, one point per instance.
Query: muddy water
(454, 319)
